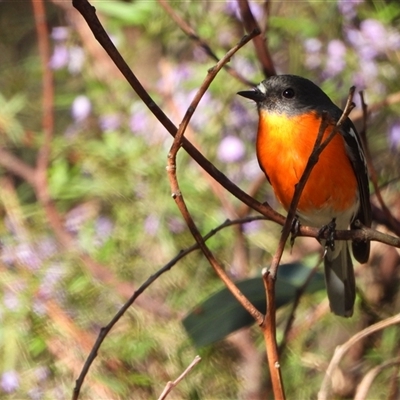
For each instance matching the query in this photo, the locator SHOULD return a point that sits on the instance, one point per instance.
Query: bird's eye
(288, 93)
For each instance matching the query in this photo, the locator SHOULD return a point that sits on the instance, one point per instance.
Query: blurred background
(87, 214)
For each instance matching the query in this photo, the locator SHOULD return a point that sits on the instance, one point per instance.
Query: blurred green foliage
(108, 182)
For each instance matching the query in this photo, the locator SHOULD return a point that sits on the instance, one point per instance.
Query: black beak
(254, 95)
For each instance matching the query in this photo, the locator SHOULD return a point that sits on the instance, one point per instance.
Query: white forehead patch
(261, 87)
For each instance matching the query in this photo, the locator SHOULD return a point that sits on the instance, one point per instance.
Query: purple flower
(253, 226)
(243, 65)
(336, 52)
(394, 135)
(373, 31)
(366, 75)
(361, 44)
(139, 121)
(313, 46)
(110, 122)
(372, 39)
(348, 8)
(9, 381)
(151, 225)
(377, 36)
(79, 215)
(231, 149)
(49, 287)
(232, 8)
(47, 247)
(59, 33)
(81, 108)
(59, 58)
(176, 225)
(104, 228)
(42, 373)
(27, 256)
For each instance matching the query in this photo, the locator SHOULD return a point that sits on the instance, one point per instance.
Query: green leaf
(221, 314)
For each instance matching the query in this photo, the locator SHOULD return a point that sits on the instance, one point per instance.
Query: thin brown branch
(259, 42)
(178, 197)
(42, 161)
(171, 385)
(391, 99)
(192, 34)
(324, 392)
(394, 224)
(17, 167)
(268, 328)
(364, 386)
(105, 330)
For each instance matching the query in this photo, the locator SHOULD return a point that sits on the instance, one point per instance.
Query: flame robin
(290, 114)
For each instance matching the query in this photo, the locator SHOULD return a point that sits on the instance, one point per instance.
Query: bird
(336, 194)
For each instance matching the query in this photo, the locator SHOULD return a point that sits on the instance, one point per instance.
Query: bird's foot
(330, 240)
(295, 229)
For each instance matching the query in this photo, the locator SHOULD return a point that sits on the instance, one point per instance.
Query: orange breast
(283, 148)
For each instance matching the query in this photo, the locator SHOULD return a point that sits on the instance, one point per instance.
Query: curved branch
(324, 393)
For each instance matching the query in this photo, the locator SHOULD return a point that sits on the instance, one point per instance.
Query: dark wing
(355, 152)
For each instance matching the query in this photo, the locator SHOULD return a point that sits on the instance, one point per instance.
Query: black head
(292, 95)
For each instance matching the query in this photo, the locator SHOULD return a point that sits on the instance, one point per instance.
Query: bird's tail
(340, 281)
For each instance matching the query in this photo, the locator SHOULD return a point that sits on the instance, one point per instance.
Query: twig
(391, 99)
(364, 386)
(171, 385)
(393, 222)
(43, 156)
(260, 46)
(268, 328)
(16, 166)
(186, 28)
(324, 393)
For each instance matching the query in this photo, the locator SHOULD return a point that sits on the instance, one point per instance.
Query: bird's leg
(330, 228)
